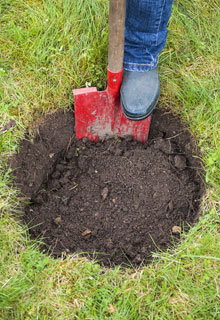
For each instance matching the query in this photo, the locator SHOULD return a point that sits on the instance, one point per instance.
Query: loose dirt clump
(118, 200)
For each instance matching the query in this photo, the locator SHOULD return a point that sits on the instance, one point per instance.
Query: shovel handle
(116, 35)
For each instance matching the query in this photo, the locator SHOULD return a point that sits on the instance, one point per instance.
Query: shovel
(98, 114)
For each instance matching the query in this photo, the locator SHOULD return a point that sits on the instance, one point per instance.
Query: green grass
(49, 47)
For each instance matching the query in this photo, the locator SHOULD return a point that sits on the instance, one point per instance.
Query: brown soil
(119, 200)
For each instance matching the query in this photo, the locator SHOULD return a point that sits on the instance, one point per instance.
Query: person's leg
(145, 32)
(145, 36)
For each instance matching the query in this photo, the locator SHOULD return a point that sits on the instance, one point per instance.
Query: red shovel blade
(98, 114)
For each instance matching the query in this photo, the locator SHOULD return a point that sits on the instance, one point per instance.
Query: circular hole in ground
(118, 200)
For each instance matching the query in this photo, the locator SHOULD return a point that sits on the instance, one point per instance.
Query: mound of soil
(117, 200)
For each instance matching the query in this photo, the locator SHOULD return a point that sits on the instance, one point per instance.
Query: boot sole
(134, 117)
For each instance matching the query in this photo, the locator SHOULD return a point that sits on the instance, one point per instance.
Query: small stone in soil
(170, 205)
(96, 214)
(180, 162)
(176, 229)
(86, 232)
(104, 193)
(163, 145)
(57, 220)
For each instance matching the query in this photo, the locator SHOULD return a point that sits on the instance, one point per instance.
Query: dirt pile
(118, 200)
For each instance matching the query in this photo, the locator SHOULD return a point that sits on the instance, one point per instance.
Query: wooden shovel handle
(116, 35)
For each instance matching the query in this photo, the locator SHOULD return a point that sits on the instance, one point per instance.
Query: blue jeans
(145, 32)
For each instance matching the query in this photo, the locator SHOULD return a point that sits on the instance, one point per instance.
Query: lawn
(49, 47)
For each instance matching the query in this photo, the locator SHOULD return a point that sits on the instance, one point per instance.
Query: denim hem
(140, 67)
